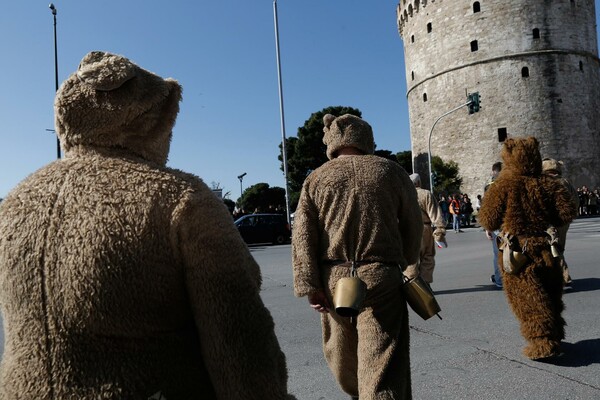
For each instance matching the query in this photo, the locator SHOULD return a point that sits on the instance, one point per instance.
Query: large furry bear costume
(363, 208)
(121, 278)
(524, 203)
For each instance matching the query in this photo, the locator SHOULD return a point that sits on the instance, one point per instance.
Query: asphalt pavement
(474, 352)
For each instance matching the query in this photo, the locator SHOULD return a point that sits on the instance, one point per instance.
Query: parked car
(264, 228)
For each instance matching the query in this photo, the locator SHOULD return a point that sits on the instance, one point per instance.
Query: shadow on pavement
(486, 288)
(580, 354)
(584, 285)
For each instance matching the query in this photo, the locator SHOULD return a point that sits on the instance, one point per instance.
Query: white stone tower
(535, 65)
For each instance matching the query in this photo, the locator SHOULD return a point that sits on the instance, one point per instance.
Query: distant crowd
(588, 200)
(461, 206)
(466, 210)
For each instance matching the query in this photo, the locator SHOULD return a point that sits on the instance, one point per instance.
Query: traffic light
(433, 179)
(473, 102)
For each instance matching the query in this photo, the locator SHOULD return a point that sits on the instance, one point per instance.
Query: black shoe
(493, 279)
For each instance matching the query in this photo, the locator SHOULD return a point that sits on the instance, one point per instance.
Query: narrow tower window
(525, 72)
(474, 46)
(502, 134)
(581, 65)
(424, 96)
(536, 33)
(476, 7)
(412, 74)
(429, 27)
(412, 38)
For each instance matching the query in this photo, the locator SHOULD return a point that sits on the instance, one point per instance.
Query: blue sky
(333, 52)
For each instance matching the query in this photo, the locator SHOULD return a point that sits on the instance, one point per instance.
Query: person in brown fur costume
(121, 278)
(524, 203)
(363, 208)
(553, 168)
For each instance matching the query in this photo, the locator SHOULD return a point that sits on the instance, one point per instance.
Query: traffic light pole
(431, 132)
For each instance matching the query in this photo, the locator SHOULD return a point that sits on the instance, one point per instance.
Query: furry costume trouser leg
(426, 259)
(535, 296)
(369, 356)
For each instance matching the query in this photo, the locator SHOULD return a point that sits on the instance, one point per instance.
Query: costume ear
(328, 120)
(509, 144)
(105, 71)
(532, 142)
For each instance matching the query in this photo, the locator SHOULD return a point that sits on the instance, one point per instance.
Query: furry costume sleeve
(240, 350)
(410, 220)
(492, 208)
(305, 246)
(434, 213)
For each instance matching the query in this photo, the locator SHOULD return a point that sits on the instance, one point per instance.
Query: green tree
(386, 154)
(262, 198)
(230, 204)
(448, 177)
(306, 152)
(405, 160)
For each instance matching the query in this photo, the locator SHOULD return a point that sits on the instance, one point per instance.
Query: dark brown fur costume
(523, 202)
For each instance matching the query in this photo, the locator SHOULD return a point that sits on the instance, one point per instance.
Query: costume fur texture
(362, 208)
(523, 202)
(121, 278)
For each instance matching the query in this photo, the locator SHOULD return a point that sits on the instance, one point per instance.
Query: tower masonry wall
(535, 64)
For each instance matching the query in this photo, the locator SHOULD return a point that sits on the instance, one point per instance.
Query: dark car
(264, 228)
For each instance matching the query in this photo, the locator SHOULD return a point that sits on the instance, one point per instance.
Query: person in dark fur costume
(524, 203)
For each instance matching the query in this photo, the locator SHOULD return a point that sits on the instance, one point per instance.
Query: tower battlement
(406, 9)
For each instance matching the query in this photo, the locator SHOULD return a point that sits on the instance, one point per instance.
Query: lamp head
(241, 176)
(51, 6)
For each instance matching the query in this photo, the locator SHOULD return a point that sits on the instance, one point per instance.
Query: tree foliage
(448, 177)
(230, 204)
(386, 154)
(262, 198)
(405, 160)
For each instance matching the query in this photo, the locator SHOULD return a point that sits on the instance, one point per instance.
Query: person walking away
(496, 278)
(363, 208)
(524, 203)
(434, 233)
(553, 169)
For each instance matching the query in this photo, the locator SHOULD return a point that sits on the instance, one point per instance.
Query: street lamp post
(469, 102)
(241, 178)
(53, 9)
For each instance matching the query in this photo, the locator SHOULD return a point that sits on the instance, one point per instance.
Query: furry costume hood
(521, 156)
(347, 131)
(111, 103)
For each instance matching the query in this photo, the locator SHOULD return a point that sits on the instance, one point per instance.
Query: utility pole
(53, 9)
(281, 112)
